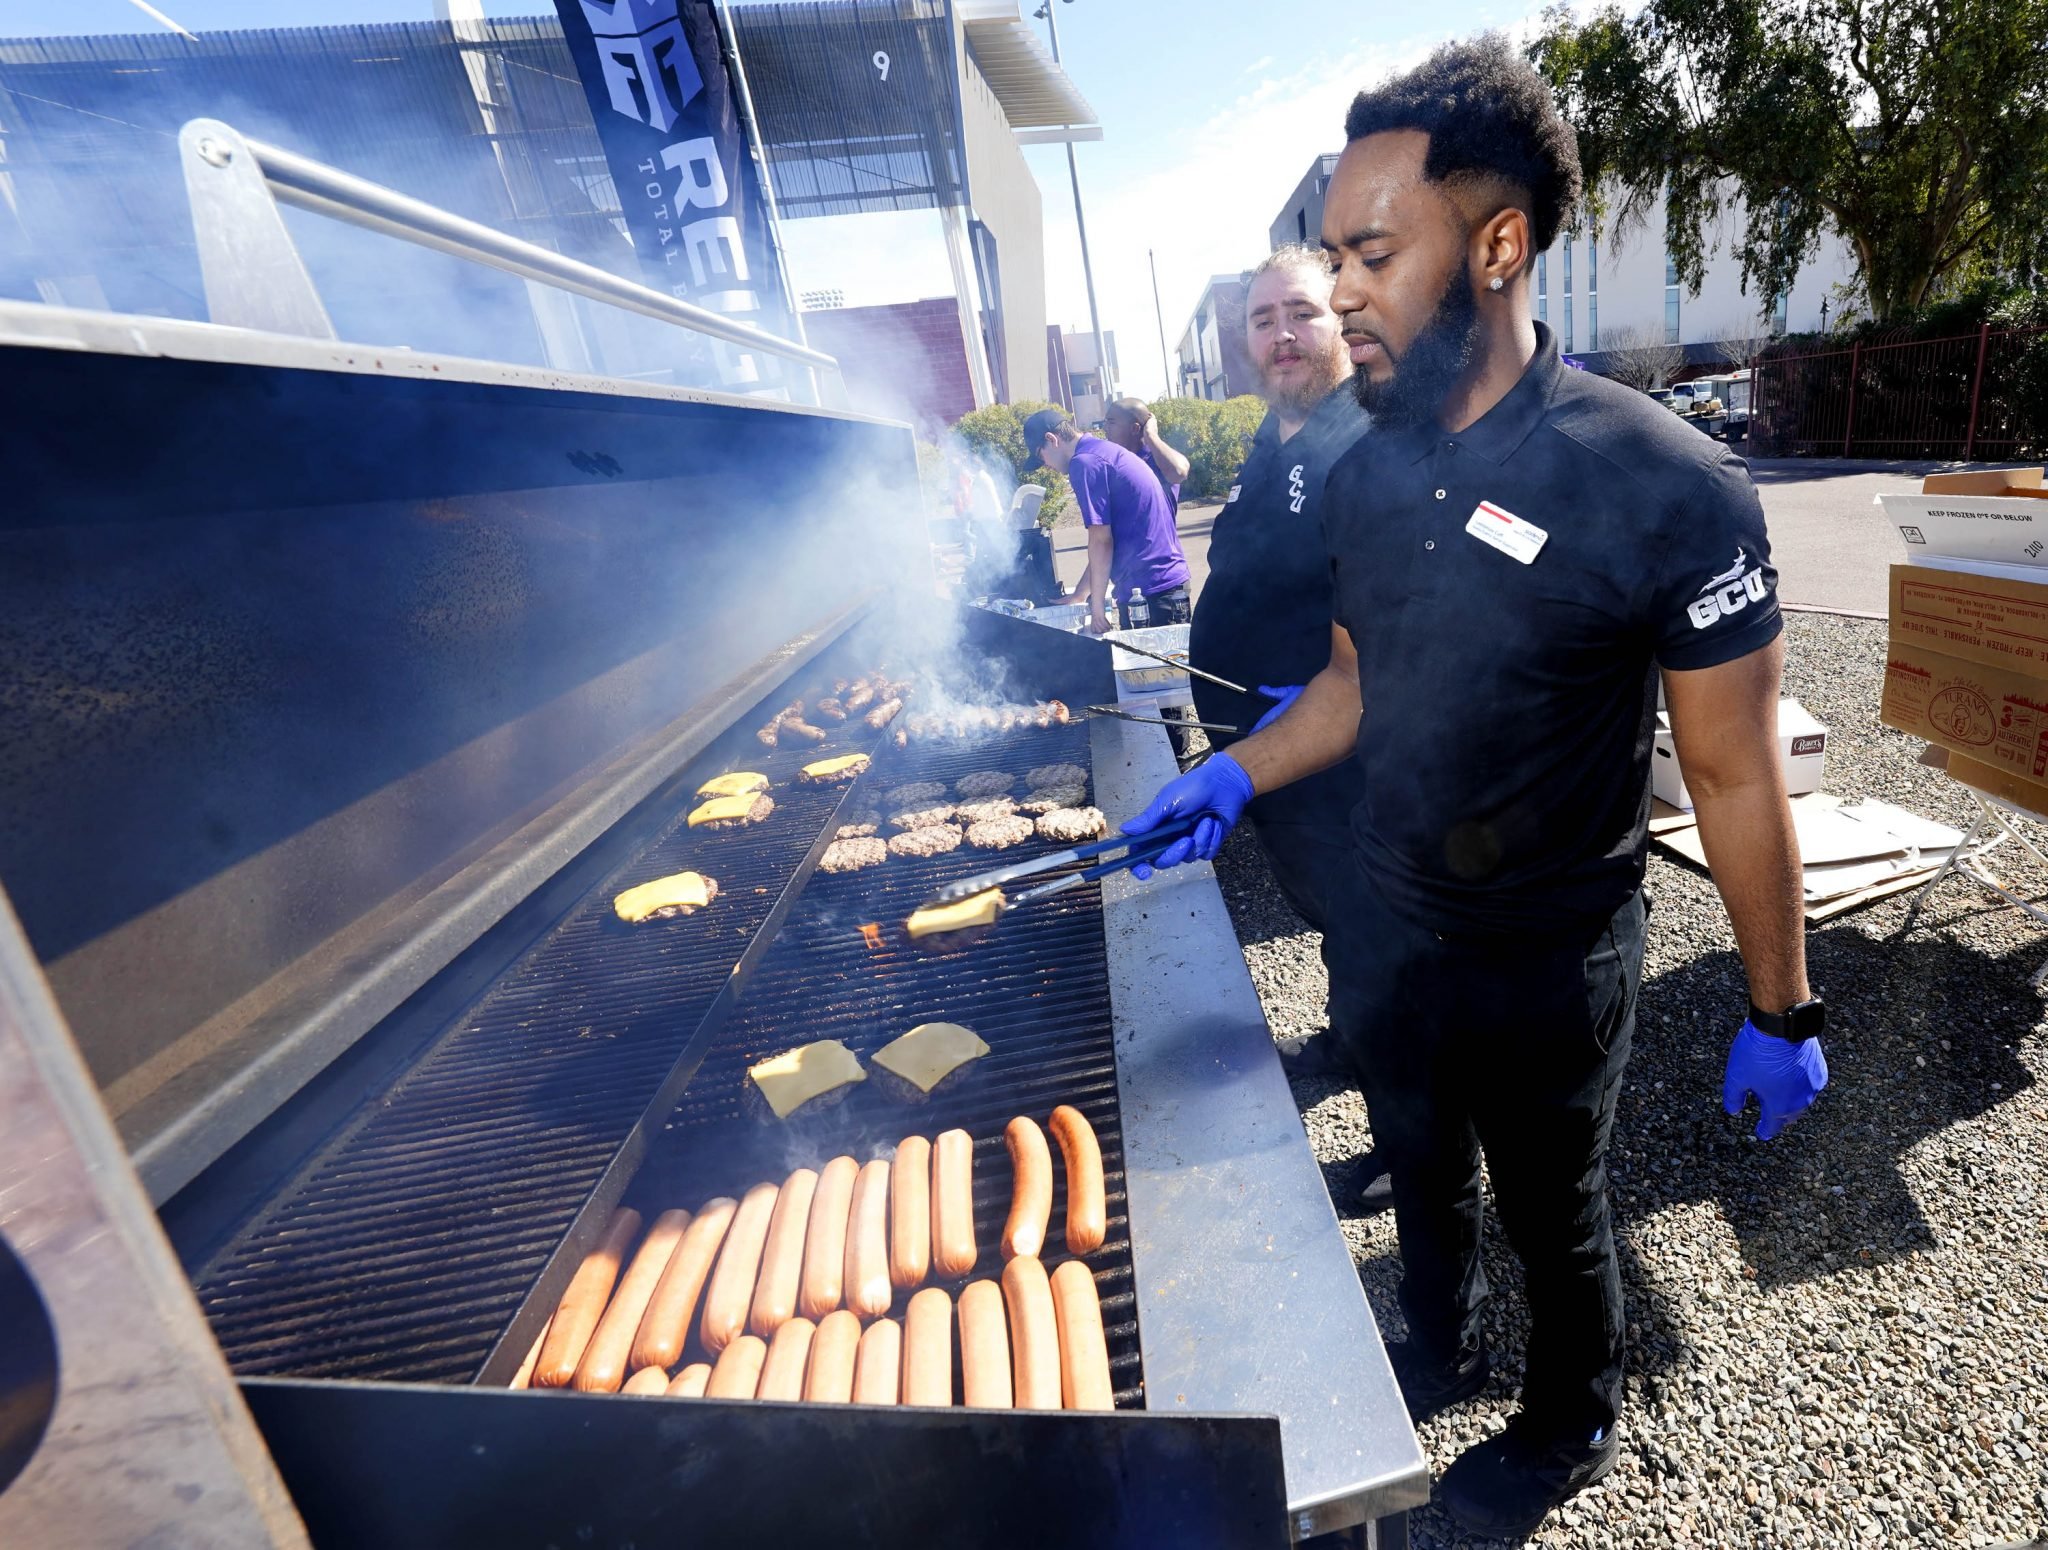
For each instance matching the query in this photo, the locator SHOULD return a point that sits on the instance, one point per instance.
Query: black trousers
(1309, 861)
(1516, 1049)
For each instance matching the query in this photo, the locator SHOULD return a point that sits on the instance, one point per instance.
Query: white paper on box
(1802, 752)
(2001, 529)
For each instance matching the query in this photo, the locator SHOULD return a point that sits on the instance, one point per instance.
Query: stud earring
(1493, 284)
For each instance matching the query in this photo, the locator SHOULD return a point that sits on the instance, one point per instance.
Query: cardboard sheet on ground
(1853, 853)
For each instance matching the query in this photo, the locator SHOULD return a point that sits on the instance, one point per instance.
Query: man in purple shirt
(1130, 423)
(1133, 544)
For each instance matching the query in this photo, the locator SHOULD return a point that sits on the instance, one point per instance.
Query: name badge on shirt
(1233, 494)
(1508, 533)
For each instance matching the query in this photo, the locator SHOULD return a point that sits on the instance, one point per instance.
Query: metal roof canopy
(1042, 104)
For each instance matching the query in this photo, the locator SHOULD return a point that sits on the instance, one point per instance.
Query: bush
(1215, 438)
(997, 434)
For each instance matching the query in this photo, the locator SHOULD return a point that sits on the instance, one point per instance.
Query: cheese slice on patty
(930, 1053)
(721, 808)
(792, 1079)
(825, 769)
(739, 783)
(978, 909)
(684, 890)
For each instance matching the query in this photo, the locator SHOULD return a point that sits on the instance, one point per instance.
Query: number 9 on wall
(881, 62)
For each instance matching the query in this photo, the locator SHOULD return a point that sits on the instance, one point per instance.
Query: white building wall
(1631, 287)
(1006, 201)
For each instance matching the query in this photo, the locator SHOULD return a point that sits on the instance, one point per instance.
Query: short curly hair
(1490, 118)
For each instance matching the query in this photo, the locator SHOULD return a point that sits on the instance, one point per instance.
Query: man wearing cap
(1131, 424)
(1133, 544)
(1518, 552)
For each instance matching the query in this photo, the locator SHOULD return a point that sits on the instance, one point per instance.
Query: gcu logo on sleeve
(1727, 594)
(645, 56)
(1296, 495)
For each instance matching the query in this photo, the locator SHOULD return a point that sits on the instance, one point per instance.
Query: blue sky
(1211, 112)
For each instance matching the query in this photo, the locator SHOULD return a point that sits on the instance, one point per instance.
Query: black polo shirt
(1508, 707)
(1264, 613)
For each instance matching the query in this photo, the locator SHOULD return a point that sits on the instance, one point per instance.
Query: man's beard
(1298, 401)
(1431, 365)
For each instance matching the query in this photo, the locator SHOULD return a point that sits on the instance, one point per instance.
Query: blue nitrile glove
(1216, 790)
(1286, 697)
(1785, 1077)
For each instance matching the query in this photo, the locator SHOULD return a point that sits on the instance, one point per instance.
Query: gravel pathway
(1841, 1337)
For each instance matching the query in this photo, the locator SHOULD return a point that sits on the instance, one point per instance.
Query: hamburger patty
(999, 833)
(1055, 775)
(860, 826)
(984, 783)
(915, 794)
(762, 806)
(1052, 798)
(852, 855)
(987, 808)
(933, 841)
(1071, 825)
(924, 816)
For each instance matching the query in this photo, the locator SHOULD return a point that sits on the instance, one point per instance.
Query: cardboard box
(1975, 618)
(2026, 795)
(1802, 752)
(2000, 516)
(1997, 715)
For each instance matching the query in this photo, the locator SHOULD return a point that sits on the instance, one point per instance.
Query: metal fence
(1973, 396)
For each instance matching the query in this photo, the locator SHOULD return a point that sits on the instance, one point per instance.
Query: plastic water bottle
(1138, 609)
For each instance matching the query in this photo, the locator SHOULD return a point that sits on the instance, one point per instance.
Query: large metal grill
(405, 1245)
(1037, 992)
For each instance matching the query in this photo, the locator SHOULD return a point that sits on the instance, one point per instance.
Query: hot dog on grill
(1034, 1334)
(524, 1375)
(782, 1375)
(984, 1347)
(953, 1248)
(666, 1325)
(648, 1380)
(690, 1383)
(910, 1213)
(739, 1265)
(1087, 1213)
(828, 1375)
(1030, 1189)
(738, 1373)
(928, 1349)
(1084, 1352)
(582, 1305)
(868, 1290)
(825, 1240)
(603, 1367)
(782, 1259)
(878, 1363)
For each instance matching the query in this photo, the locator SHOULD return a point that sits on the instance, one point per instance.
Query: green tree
(1215, 437)
(1915, 129)
(997, 434)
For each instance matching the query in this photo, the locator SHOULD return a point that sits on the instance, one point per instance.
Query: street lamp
(1044, 14)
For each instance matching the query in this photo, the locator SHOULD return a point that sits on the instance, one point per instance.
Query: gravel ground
(1838, 1338)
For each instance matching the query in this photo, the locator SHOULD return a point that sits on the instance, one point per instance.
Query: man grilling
(1131, 424)
(1133, 544)
(1517, 549)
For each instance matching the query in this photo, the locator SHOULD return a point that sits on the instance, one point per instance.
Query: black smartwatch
(1795, 1024)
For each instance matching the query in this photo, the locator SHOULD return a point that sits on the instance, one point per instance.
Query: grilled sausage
(1087, 1214)
(665, 1327)
(825, 1240)
(1084, 1353)
(953, 1203)
(603, 1367)
(782, 1259)
(738, 1373)
(910, 1213)
(884, 713)
(582, 1305)
(524, 1375)
(782, 1375)
(984, 1347)
(828, 1375)
(1034, 1334)
(732, 1283)
(867, 1242)
(878, 1363)
(648, 1380)
(928, 1349)
(1030, 1189)
(691, 1382)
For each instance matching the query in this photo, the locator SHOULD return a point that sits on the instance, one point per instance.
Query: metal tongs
(1142, 847)
(1180, 662)
(1160, 721)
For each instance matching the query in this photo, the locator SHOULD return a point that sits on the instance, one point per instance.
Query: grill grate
(1037, 992)
(402, 1249)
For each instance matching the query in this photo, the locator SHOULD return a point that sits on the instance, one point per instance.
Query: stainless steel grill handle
(255, 278)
